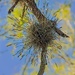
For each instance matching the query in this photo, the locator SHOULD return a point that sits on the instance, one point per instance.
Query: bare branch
(43, 61)
(12, 8)
(61, 33)
(23, 11)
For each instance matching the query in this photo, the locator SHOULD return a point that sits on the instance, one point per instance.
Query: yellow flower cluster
(19, 34)
(63, 13)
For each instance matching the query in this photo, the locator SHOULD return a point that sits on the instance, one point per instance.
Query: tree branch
(12, 8)
(41, 18)
(43, 61)
(61, 33)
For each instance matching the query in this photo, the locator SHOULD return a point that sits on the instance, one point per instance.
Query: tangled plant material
(40, 36)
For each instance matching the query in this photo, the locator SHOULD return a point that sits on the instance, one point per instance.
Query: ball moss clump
(40, 35)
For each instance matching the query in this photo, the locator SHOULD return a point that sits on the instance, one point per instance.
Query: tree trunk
(43, 61)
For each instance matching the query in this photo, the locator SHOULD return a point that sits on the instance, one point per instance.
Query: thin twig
(61, 33)
(23, 11)
(12, 8)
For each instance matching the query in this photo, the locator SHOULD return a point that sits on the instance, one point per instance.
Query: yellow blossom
(58, 68)
(19, 35)
(64, 12)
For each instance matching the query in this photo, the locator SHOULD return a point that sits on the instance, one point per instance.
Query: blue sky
(9, 64)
